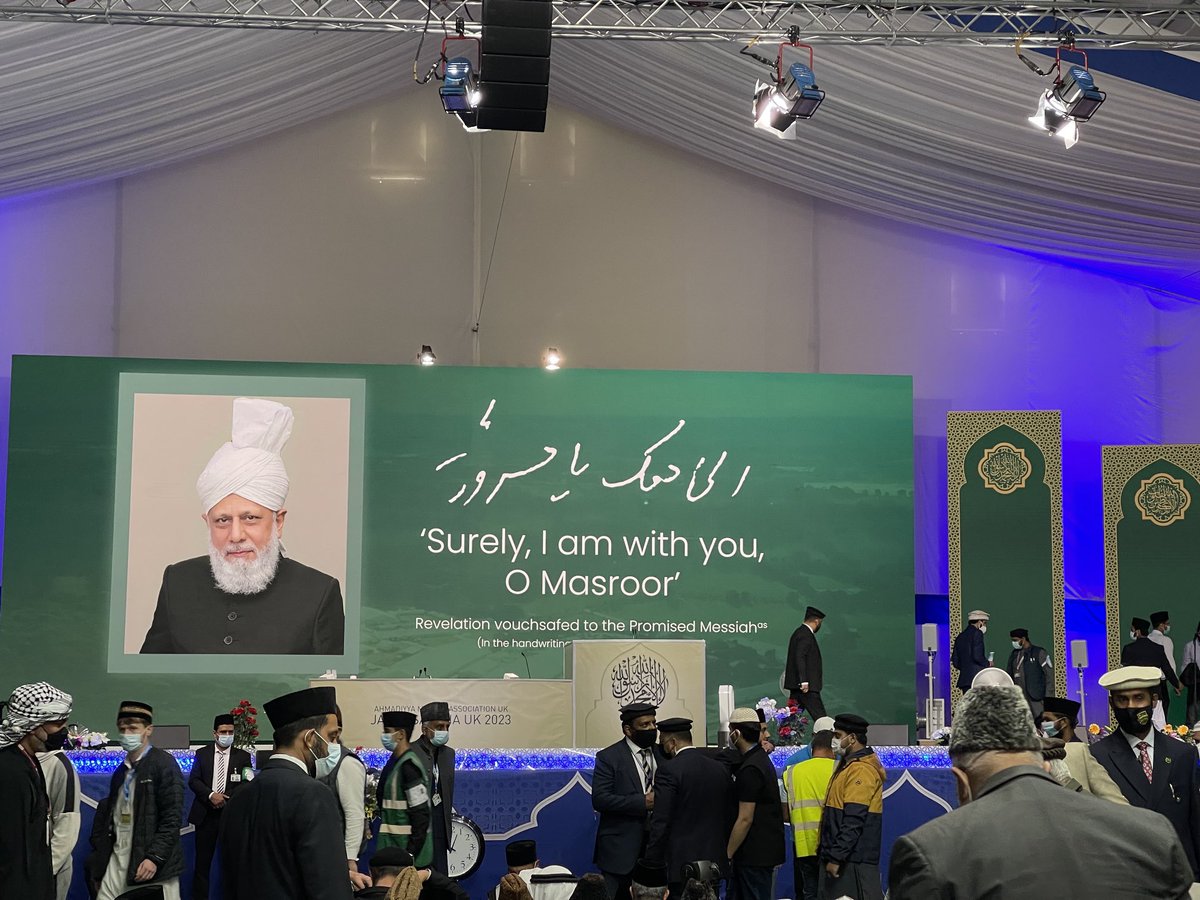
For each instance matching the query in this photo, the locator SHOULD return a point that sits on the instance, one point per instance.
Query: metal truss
(1122, 24)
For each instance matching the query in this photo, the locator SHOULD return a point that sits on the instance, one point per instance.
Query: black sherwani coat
(1173, 791)
(300, 613)
(620, 799)
(691, 798)
(281, 839)
(803, 661)
(1145, 652)
(25, 866)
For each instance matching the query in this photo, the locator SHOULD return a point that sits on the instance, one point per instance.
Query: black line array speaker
(514, 69)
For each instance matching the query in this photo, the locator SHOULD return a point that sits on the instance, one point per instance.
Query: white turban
(30, 706)
(250, 465)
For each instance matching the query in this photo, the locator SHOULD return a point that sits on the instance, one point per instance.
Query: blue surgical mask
(130, 742)
(326, 764)
(439, 738)
(388, 741)
(1049, 729)
(225, 740)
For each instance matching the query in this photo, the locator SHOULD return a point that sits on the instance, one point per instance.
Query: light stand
(934, 710)
(1080, 658)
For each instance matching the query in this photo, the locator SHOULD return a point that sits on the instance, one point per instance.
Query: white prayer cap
(991, 677)
(743, 715)
(977, 615)
(1127, 678)
(825, 723)
(250, 465)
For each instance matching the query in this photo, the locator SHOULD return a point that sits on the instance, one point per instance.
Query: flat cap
(391, 857)
(520, 853)
(813, 613)
(1157, 618)
(1019, 633)
(1128, 678)
(1141, 625)
(136, 709)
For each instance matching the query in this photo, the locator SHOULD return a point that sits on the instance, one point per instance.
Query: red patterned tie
(1147, 765)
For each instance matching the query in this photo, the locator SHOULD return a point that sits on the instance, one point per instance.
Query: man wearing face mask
(691, 796)
(145, 812)
(1058, 721)
(756, 841)
(1153, 770)
(969, 655)
(1141, 651)
(623, 795)
(62, 787)
(33, 716)
(438, 758)
(282, 835)
(1030, 668)
(852, 824)
(216, 775)
(1018, 834)
(403, 793)
(1160, 626)
(348, 781)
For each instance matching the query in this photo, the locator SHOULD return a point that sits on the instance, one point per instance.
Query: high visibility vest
(806, 784)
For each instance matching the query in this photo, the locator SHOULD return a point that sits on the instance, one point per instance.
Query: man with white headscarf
(245, 596)
(32, 716)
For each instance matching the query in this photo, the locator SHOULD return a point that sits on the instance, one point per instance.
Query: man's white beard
(234, 576)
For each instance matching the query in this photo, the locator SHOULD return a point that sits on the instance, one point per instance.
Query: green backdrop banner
(1005, 527)
(1151, 536)
(476, 520)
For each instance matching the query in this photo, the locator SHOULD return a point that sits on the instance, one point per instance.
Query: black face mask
(1133, 719)
(645, 738)
(57, 741)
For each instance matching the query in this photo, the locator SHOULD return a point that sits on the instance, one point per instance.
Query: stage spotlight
(426, 357)
(1072, 99)
(460, 87)
(552, 359)
(780, 105)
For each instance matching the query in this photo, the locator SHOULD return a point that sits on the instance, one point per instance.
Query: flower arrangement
(80, 737)
(1179, 731)
(245, 725)
(785, 726)
(1097, 732)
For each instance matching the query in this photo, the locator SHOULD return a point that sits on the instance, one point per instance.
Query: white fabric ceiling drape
(934, 136)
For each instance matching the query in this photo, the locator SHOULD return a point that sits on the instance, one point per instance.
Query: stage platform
(545, 795)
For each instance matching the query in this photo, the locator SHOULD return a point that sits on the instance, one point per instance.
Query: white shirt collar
(1134, 741)
(291, 759)
(810, 628)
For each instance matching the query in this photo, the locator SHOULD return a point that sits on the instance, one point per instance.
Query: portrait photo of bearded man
(246, 595)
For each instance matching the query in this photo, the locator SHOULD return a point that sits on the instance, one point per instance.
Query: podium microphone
(526, 658)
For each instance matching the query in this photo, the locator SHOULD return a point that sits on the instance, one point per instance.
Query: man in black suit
(438, 756)
(1153, 770)
(1018, 834)
(281, 838)
(1141, 651)
(623, 795)
(216, 776)
(969, 655)
(803, 676)
(691, 800)
(245, 596)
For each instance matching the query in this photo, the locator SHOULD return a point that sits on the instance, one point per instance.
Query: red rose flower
(237, 712)
(244, 703)
(785, 731)
(253, 711)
